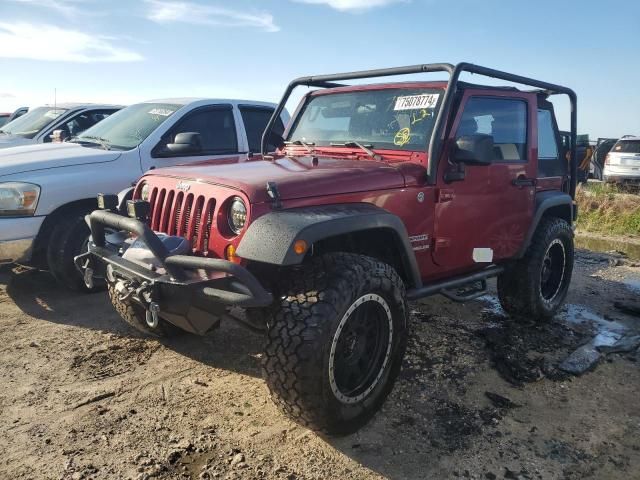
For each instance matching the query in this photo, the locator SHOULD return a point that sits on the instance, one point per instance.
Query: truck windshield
(32, 122)
(392, 118)
(127, 128)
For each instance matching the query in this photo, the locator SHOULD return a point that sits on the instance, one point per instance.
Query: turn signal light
(607, 159)
(230, 254)
(300, 247)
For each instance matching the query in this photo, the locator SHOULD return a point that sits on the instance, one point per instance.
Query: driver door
(484, 216)
(216, 126)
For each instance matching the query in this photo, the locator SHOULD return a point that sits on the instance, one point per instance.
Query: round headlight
(237, 215)
(145, 192)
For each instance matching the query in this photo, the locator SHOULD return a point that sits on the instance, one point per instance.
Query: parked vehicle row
(373, 196)
(8, 117)
(38, 125)
(46, 190)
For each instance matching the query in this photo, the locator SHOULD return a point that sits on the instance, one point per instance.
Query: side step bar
(467, 292)
(445, 286)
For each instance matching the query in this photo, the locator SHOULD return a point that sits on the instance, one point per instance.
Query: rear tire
(135, 316)
(69, 239)
(536, 286)
(335, 344)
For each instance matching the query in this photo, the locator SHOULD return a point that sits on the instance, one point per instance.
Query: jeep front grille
(184, 215)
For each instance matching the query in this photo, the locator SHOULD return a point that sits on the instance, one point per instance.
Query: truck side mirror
(58, 136)
(185, 143)
(474, 149)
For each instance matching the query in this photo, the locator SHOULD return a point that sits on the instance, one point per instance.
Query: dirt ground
(479, 396)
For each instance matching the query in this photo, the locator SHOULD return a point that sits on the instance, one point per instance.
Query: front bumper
(16, 238)
(183, 299)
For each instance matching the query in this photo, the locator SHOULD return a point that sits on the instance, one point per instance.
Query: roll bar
(435, 145)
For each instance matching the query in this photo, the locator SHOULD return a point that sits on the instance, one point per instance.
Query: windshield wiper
(306, 145)
(95, 140)
(364, 148)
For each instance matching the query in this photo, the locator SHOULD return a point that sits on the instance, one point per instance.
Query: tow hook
(88, 277)
(84, 265)
(151, 316)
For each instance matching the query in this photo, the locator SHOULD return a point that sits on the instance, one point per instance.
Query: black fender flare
(544, 202)
(270, 238)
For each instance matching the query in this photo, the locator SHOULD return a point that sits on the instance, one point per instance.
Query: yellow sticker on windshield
(418, 117)
(402, 137)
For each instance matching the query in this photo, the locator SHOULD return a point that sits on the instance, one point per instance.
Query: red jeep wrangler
(379, 194)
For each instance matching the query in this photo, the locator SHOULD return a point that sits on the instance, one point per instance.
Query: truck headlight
(18, 198)
(237, 215)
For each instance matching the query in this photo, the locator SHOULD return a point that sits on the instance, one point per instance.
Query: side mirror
(474, 149)
(185, 143)
(275, 141)
(58, 136)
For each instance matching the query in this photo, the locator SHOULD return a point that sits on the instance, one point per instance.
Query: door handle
(523, 181)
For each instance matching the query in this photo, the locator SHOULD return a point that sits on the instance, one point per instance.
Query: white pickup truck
(46, 190)
(38, 124)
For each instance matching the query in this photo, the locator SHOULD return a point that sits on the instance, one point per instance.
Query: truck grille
(184, 215)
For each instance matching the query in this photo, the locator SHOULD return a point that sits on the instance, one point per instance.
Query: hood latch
(274, 194)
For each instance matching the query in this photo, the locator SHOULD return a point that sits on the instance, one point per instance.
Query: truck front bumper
(189, 301)
(16, 238)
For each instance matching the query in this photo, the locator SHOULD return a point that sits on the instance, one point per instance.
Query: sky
(125, 51)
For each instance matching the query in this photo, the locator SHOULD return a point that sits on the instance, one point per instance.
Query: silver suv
(622, 164)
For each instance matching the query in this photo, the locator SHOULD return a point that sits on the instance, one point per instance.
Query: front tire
(335, 343)
(536, 286)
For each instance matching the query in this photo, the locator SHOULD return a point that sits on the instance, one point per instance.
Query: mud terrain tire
(134, 315)
(335, 344)
(536, 286)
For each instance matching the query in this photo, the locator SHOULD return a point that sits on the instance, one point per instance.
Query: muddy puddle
(601, 244)
(586, 336)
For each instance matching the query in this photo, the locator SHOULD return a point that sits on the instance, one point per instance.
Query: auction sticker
(414, 102)
(161, 111)
(53, 113)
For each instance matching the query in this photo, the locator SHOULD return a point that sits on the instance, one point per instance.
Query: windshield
(627, 146)
(127, 128)
(394, 119)
(32, 122)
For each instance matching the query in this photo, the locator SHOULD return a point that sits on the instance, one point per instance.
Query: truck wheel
(535, 286)
(69, 239)
(136, 316)
(336, 341)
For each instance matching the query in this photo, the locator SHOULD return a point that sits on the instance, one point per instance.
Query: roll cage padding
(271, 237)
(544, 202)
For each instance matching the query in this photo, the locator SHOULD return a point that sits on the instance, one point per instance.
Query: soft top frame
(329, 81)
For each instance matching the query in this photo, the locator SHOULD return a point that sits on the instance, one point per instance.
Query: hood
(9, 140)
(44, 156)
(297, 177)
